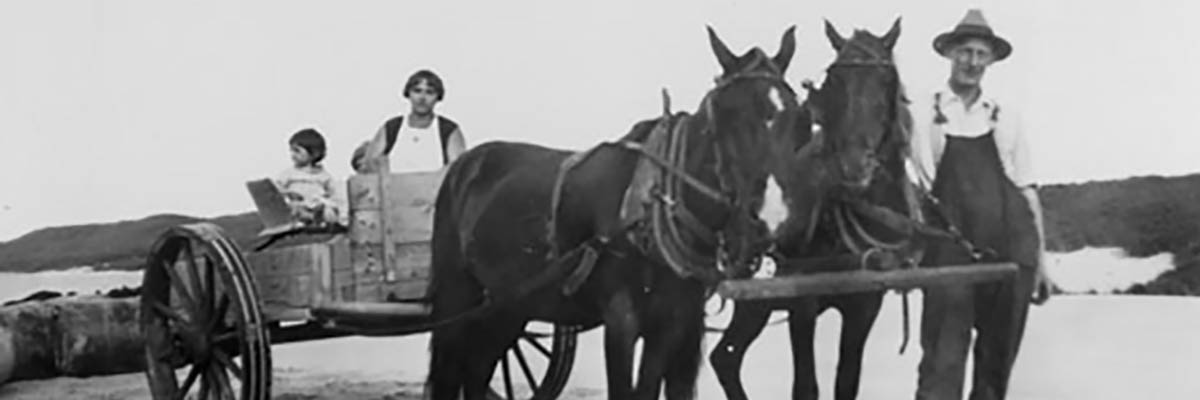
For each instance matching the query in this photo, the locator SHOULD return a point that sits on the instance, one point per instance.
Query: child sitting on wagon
(310, 191)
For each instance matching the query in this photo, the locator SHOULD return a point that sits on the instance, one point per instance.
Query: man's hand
(1042, 284)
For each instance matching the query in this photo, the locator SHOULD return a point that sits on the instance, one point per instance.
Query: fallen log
(861, 281)
(75, 336)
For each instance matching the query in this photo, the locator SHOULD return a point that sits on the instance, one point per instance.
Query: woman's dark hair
(428, 76)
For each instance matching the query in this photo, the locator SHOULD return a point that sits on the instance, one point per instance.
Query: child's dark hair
(428, 76)
(310, 140)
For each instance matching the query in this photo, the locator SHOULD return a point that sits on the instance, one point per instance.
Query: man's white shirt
(929, 136)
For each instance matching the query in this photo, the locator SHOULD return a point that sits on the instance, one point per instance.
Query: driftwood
(70, 336)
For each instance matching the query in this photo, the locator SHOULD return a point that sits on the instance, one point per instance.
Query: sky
(120, 109)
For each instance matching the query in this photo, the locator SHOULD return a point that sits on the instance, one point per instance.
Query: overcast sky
(120, 109)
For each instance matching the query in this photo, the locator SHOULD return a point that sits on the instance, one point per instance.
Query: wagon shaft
(862, 281)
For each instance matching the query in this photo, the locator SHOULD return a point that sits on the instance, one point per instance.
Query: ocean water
(80, 280)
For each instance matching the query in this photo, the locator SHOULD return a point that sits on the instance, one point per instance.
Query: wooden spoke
(168, 312)
(224, 388)
(224, 337)
(193, 373)
(507, 369)
(227, 362)
(533, 384)
(177, 282)
(205, 384)
(538, 345)
(193, 271)
(219, 314)
(210, 283)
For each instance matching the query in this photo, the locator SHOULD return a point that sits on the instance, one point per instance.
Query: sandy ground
(1092, 347)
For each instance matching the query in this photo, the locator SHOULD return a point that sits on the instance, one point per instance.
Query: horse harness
(847, 212)
(653, 215)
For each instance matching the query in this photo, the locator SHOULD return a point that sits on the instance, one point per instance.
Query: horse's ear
(835, 38)
(786, 48)
(724, 56)
(889, 40)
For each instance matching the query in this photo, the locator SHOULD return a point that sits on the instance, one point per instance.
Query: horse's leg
(858, 316)
(456, 293)
(684, 366)
(802, 326)
(445, 363)
(489, 340)
(749, 319)
(673, 335)
(656, 351)
(620, 333)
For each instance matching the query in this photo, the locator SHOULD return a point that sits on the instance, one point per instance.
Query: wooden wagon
(210, 312)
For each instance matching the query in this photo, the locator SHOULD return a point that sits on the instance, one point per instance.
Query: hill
(1142, 215)
(118, 245)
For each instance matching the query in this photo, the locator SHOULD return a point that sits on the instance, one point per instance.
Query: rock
(36, 296)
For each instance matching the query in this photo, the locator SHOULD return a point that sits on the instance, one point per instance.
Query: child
(310, 190)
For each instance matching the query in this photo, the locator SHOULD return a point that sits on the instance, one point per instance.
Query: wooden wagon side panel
(366, 250)
(408, 226)
(391, 224)
(291, 279)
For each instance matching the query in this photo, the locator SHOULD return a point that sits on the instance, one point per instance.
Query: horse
(631, 234)
(836, 184)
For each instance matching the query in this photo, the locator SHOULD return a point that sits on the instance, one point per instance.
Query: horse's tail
(449, 274)
(447, 251)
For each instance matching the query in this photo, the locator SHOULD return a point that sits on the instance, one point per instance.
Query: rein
(670, 221)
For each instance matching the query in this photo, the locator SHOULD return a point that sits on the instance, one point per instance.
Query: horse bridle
(850, 228)
(669, 211)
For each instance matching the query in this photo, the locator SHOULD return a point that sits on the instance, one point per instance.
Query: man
(975, 158)
(419, 141)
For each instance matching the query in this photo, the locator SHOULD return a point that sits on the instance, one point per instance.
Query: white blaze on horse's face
(776, 99)
(774, 209)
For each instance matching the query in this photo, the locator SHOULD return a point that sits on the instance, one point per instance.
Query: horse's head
(850, 132)
(858, 105)
(748, 99)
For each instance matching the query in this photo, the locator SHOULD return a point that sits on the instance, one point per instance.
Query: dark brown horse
(639, 258)
(857, 158)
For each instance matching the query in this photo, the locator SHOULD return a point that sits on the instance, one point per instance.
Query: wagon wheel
(204, 332)
(544, 350)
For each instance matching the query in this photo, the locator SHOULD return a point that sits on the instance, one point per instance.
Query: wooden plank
(407, 290)
(284, 290)
(366, 226)
(279, 312)
(409, 261)
(862, 281)
(339, 270)
(285, 275)
(408, 201)
(363, 192)
(367, 260)
(371, 310)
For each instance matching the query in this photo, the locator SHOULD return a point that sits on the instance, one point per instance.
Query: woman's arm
(456, 145)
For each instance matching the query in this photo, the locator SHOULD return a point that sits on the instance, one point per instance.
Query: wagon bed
(210, 312)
